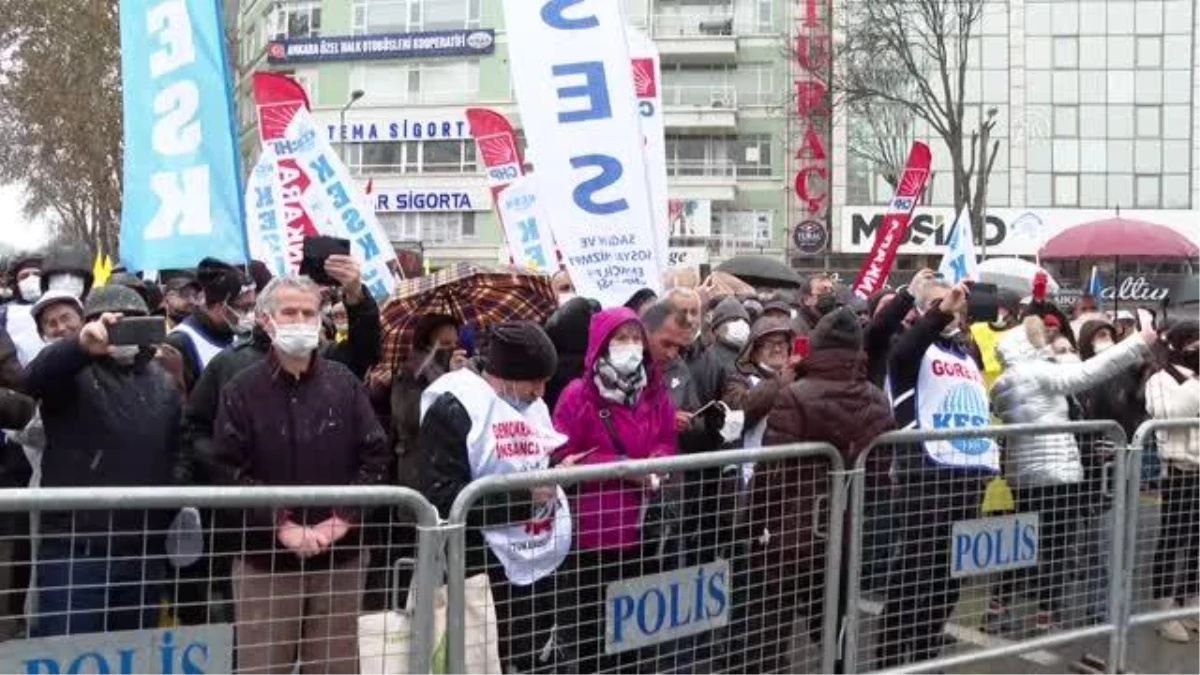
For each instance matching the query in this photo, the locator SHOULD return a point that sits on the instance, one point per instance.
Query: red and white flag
(878, 263)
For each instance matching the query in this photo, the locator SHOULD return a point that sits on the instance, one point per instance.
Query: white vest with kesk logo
(503, 441)
(951, 394)
(206, 350)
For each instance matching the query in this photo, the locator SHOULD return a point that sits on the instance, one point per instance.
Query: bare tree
(910, 56)
(881, 136)
(60, 114)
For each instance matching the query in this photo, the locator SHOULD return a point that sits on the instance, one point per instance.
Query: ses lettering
(183, 195)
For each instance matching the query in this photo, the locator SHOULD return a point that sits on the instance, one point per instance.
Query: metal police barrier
(949, 566)
(1162, 534)
(162, 580)
(713, 562)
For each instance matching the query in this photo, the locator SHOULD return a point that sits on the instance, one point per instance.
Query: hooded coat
(749, 387)
(1034, 389)
(1122, 398)
(718, 360)
(608, 511)
(568, 330)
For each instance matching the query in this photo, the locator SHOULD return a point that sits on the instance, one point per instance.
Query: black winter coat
(106, 425)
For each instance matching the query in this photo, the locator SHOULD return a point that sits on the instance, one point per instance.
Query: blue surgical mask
(516, 402)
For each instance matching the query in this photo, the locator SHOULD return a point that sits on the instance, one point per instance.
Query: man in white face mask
(25, 280)
(731, 328)
(295, 418)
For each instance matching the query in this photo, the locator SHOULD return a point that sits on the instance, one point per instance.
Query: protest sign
(182, 192)
(574, 84)
(647, 76)
(266, 221)
(879, 260)
(530, 243)
(959, 262)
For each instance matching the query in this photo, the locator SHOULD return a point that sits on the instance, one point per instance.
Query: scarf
(618, 388)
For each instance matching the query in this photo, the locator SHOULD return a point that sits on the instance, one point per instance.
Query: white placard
(989, 545)
(662, 607)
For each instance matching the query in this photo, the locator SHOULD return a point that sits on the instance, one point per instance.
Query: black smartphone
(316, 251)
(137, 330)
(984, 302)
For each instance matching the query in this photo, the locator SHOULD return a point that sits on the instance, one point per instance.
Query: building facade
(1096, 110)
(724, 86)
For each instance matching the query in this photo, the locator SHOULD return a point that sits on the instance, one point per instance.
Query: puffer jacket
(1034, 389)
(1168, 398)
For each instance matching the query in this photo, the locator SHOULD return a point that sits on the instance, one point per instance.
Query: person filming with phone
(111, 416)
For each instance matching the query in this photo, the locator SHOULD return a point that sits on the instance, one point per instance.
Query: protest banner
(879, 260)
(266, 219)
(182, 191)
(574, 84)
(530, 243)
(959, 262)
(647, 75)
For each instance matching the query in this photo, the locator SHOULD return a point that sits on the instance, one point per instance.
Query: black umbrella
(760, 270)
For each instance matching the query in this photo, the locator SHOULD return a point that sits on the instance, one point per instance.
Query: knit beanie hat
(220, 281)
(521, 351)
(840, 329)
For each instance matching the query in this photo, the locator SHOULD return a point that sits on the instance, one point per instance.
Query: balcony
(700, 107)
(695, 38)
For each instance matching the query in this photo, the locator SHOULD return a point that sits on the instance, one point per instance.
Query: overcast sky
(15, 229)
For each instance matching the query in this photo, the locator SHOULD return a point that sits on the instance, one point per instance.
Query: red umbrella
(1120, 237)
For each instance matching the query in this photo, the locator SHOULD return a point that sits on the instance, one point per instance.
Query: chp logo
(810, 237)
(645, 85)
(500, 156)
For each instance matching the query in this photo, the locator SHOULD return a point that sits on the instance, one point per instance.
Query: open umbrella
(723, 285)
(761, 270)
(1119, 237)
(476, 295)
(1015, 274)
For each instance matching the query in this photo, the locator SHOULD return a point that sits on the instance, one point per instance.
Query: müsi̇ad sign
(813, 112)
(1007, 231)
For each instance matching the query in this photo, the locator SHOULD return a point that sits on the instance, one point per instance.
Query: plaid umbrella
(473, 294)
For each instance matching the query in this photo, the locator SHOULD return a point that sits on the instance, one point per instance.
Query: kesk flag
(335, 202)
(318, 194)
(530, 243)
(959, 262)
(182, 197)
(574, 84)
(266, 219)
(878, 263)
(647, 74)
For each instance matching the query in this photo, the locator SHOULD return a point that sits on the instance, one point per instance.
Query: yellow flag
(101, 269)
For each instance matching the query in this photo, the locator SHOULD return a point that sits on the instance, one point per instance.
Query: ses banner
(182, 196)
(874, 272)
(530, 243)
(316, 189)
(384, 46)
(647, 74)
(571, 70)
(192, 649)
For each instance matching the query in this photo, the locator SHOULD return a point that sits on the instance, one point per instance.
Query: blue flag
(959, 262)
(182, 196)
(1095, 285)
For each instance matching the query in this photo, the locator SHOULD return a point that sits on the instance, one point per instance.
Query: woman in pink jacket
(620, 409)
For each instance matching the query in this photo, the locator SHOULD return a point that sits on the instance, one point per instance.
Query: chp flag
(317, 192)
(878, 262)
(496, 146)
(647, 75)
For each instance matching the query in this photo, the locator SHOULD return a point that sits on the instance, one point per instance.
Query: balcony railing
(702, 25)
(715, 168)
(715, 96)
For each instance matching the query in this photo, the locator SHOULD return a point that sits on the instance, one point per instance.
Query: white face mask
(245, 323)
(296, 340)
(564, 298)
(626, 358)
(1100, 345)
(30, 287)
(737, 332)
(71, 283)
(124, 354)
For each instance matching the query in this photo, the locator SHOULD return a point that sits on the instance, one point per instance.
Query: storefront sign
(433, 199)
(687, 257)
(193, 649)
(810, 237)
(385, 129)
(385, 46)
(1007, 231)
(1137, 290)
(813, 111)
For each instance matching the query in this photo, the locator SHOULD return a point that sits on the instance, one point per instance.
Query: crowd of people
(263, 381)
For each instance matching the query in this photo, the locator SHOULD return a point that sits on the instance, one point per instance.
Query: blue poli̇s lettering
(676, 605)
(660, 612)
(594, 89)
(962, 547)
(127, 660)
(168, 653)
(552, 15)
(698, 607)
(1029, 541)
(189, 665)
(610, 172)
(623, 608)
(975, 550)
(77, 666)
(1001, 548)
(716, 591)
(41, 667)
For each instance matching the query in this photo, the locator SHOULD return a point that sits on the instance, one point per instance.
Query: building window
(411, 157)
(748, 155)
(742, 229)
(372, 17)
(435, 227)
(297, 20)
(416, 82)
